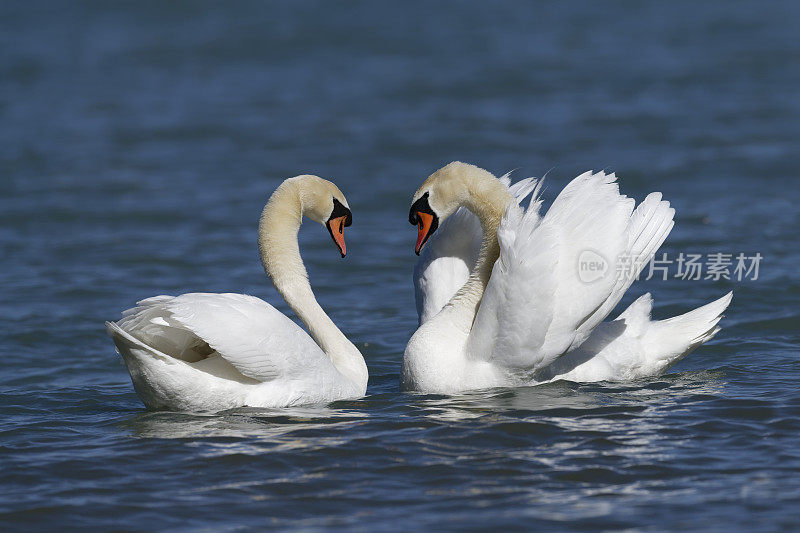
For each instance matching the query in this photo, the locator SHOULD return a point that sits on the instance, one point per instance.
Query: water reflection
(547, 427)
(250, 430)
(559, 427)
(573, 399)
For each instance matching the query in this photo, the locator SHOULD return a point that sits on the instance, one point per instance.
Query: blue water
(140, 140)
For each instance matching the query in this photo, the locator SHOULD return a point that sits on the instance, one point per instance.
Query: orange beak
(424, 223)
(336, 229)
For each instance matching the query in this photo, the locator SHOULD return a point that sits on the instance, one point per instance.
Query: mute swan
(209, 352)
(524, 314)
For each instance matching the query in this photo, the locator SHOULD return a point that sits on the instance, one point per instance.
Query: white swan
(209, 352)
(525, 314)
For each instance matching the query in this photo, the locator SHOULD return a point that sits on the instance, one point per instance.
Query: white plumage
(446, 261)
(533, 315)
(201, 351)
(208, 352)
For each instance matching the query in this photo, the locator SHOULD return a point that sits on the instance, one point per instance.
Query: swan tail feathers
(634, 346)
(120, 337)
(672, 339)
(637, 315)
(129, 346)
(152, 323)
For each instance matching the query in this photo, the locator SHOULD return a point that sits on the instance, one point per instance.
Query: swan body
(502, 301)
(209, 352)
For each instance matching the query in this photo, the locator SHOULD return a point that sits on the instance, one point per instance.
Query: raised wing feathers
(648, 227)
(540, 302)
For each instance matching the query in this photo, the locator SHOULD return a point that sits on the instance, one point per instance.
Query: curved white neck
(487, 198)
(280, 255)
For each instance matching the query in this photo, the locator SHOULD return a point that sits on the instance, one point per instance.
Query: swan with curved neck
(524, 314)
(461, 185)
(201, 351)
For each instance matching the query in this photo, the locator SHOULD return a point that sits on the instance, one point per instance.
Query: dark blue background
(140, 140)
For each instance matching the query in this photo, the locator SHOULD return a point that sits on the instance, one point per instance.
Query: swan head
(441, 195)
(323, 202)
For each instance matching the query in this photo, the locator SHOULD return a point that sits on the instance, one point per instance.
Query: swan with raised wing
(503, 301)
(209, 352)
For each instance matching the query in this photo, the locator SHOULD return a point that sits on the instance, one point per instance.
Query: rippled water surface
(139, 142)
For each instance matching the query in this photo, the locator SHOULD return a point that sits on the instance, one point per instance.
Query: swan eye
(339, 210)
(420, 206)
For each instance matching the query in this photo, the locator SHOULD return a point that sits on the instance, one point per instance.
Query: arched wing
(258, 340)
(560, 275)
